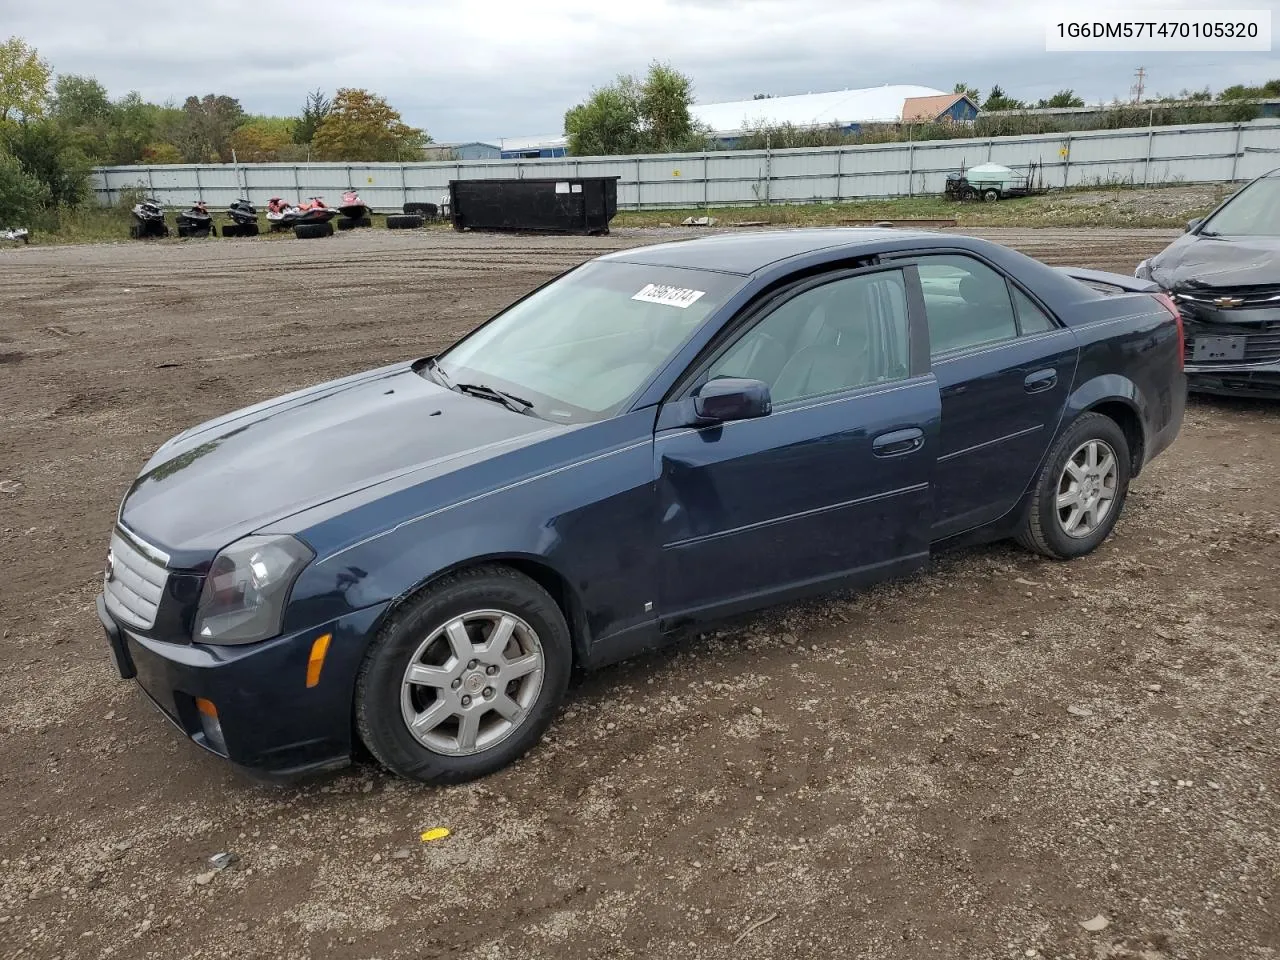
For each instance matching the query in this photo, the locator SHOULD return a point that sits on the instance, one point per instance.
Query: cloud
(505, 68)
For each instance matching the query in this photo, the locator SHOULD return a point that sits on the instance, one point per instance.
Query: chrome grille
(135, 580)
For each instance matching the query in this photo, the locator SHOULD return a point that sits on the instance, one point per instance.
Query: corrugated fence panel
(1199, 153)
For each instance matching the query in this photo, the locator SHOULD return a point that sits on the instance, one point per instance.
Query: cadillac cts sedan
(415, 558)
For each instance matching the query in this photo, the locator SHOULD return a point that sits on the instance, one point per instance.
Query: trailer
(990, 182)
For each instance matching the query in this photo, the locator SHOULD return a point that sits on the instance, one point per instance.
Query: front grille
(1251, 297)
(136, 577)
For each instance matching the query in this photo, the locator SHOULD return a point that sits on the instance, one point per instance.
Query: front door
(835, 482)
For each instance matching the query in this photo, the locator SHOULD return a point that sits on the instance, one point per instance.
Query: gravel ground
(967, 764)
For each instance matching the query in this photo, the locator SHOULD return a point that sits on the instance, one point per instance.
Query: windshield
(1253, 212)
(581, 346)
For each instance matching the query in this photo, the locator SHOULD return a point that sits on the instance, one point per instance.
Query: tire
(404, 221)
(346, 223)
(417, 634)
(230, 230)
(428, 211)
(990, 195)
(183, 232)
(365, 221)
(1044, 528)
(248, 229)
(310, 231)
(135, 232)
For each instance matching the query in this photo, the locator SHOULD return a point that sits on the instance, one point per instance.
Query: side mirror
(1192, 224)
(732, 398)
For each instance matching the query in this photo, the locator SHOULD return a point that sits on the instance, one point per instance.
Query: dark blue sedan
(419, 555)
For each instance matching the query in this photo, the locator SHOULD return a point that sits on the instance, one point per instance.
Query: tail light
(1166, 301)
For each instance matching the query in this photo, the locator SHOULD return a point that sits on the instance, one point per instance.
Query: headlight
(1143, 272)
(247, 588)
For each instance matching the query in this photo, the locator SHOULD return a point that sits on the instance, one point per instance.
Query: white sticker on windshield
(670, 296)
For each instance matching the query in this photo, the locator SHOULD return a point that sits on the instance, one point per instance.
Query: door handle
(1040, 381)
(897, 442)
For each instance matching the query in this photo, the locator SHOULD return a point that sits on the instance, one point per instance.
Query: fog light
(211, 726)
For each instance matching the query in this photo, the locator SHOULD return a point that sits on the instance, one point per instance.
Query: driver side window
(844, 334)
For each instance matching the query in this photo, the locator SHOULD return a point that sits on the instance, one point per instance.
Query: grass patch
(1095, 207)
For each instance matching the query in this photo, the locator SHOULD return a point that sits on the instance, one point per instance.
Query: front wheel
(1080, 491)
(465, 678)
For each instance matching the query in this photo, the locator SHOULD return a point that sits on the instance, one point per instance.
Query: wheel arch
(536, 568)
(1115, 397)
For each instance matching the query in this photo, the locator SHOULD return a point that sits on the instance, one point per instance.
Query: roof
(745, 253)
(916, 109)
(549, 142)
(867, 105)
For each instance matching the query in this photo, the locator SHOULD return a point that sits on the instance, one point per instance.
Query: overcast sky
(482, 70)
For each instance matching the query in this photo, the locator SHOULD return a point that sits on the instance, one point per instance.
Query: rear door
(1004, 368)
(835, 480)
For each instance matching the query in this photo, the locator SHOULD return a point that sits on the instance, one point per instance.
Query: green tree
(630, 115)
(606, 123)
(314, 110)
(363, 126)
(24, 81)
(80, 101)
(1241, 92)
(1063, 98)
(997, 100)
(23, 198)
(49, 153)
(207, 124)
(971, 92)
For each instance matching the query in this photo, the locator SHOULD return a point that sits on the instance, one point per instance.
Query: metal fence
(1199, 153)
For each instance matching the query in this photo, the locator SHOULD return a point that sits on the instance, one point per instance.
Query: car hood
(226, 478)
(1192, 261)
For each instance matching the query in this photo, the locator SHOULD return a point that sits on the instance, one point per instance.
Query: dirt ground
(893, 774)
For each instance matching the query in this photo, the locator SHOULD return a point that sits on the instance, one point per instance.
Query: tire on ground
(404, 221)
(310, 231)
(427, 210)
(1041, 530)
(347, 223)
(378, 714)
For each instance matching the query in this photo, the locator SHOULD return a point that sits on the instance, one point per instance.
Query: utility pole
(1140, 77)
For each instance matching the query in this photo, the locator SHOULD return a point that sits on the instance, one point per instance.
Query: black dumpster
(567, 205)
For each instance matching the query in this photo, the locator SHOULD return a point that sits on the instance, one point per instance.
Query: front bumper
(271, 723)
(1235, 380)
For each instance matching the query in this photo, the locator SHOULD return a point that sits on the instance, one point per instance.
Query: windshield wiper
(486, 392)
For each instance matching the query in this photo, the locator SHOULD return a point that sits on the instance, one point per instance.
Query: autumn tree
(24, 81)
(630, 115)
(363, 126)
(262, 139)
(314, 110)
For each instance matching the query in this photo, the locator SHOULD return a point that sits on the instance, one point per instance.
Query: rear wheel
(1081, 490)
(465, 678)
(990, 196)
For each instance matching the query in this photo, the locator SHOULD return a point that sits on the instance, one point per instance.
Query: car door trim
(800, 515)
(989, 443)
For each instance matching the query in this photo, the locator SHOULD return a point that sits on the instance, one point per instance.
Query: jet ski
(244, 220)
(352, 207)
(196, 221)
(148, 220)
